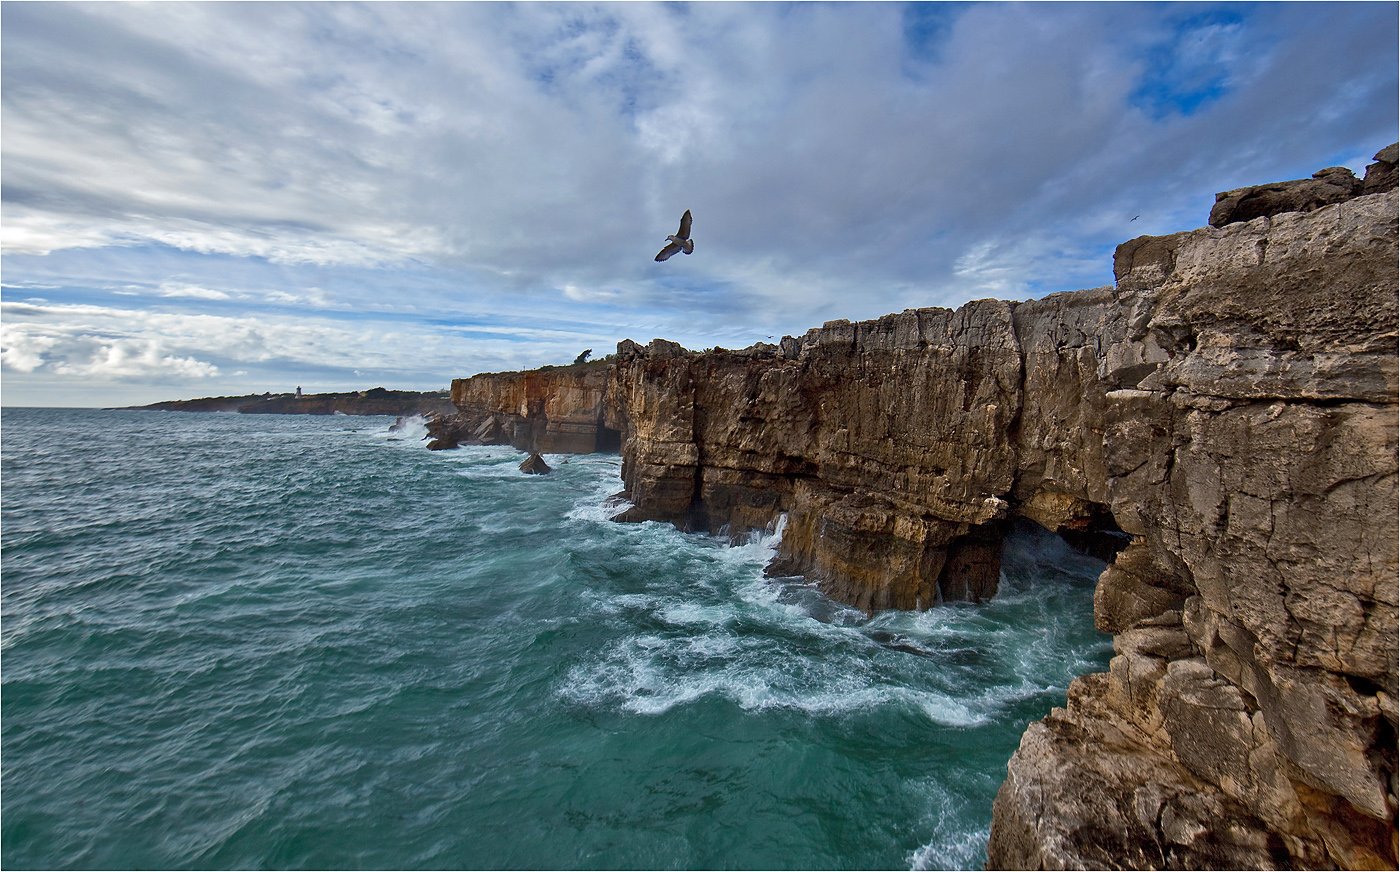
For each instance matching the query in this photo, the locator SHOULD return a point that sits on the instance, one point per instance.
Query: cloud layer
(442, 168)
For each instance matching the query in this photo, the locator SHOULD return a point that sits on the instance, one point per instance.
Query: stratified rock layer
(1226, 414)
(889, 444)
(564, 409)
(1248, 719)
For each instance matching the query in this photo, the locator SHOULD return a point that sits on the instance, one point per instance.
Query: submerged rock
(535, 465)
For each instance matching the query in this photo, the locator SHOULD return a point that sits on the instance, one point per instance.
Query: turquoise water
(296, 642)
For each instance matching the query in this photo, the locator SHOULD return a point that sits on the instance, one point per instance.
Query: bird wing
(669, 250)
(688, 246)
(685, 225)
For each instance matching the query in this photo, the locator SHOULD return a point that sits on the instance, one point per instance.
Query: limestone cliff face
(889, 444)
(1226, 414)
(1249, 445)
(557, 409)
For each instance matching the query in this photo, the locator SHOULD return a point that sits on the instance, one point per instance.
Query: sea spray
(307, 642)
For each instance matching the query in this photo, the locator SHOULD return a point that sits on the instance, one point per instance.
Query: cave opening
(1095, 533)
(609, 441)
(972, 570)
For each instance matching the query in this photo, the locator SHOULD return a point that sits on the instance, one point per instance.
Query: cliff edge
(1221, 423)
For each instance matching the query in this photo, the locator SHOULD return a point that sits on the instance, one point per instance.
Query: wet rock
(535, 465)
(444, 432)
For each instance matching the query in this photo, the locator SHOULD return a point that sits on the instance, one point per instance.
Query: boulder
(1327, 186)
(1381, 176)
(535, 465)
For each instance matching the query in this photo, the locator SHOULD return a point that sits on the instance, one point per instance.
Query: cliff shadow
(609, 441)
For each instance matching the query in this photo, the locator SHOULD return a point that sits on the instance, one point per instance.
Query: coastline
(1232, 394)
(375, 401)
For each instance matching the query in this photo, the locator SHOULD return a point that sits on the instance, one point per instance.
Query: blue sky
(205, 198)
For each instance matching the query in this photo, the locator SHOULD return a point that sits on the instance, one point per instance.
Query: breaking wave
(309, 643)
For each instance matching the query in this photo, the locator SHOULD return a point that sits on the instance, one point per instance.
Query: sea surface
(253, 642)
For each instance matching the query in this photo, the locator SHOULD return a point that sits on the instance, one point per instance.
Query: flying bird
(679, 241)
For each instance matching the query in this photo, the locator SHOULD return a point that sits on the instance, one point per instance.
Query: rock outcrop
(1223, 418)
(563, 409)
(1248, 719)
(889, 445)
(1332, 185)
(1326, 187)
(1383, 175)
(535, 465)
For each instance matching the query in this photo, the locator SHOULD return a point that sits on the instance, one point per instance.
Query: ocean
(253, 642)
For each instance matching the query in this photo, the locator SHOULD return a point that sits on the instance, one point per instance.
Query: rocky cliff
(1222, 422)
(1249, 717)
(567, 409)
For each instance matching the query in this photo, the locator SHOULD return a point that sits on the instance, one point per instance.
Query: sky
(211, 199)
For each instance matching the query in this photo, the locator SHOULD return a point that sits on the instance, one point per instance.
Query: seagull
(680, 241)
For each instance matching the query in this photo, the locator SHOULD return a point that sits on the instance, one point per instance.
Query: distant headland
(375, 401)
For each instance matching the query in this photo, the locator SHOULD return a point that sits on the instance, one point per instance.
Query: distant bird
(1134, 218)
(679, 241)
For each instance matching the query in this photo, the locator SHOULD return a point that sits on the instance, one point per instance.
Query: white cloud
(585, 295)
(315, 297)
(117, 344)
(532, 157)
(179, 289)
(21, 351)
(127, 358)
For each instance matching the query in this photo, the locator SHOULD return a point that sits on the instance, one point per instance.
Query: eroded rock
(1228, 408)
(1255, 609)
(1382, 176)
(1326, 187)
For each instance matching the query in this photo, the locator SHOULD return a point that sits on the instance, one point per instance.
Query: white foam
(633, 601)
(651, 674)
(713, 646)
(713, 626)
(944, 709)
(598, 505)
(691, 613)
(759, 546)
(950, 848)
(409, 432)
